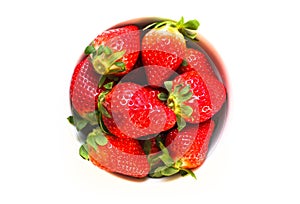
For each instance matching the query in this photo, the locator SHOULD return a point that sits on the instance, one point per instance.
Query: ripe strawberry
(84, 89)
(119, 155)
(196, 61)
(163, 48)
(183, 150)
(115, 51)
(190, 145)
(86, 86)
(134, 111)
(194, 99)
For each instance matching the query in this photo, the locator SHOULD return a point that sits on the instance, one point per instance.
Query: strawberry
(134, 111)
(194, 99)
(163, 48)
(183, 150)
(115, 51)
(196, 61)
(118, 155)
(190, 145)
(84, 88)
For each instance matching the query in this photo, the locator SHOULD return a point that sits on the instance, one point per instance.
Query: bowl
(85, 125)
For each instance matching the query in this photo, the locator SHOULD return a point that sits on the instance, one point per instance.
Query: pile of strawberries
(144, 100)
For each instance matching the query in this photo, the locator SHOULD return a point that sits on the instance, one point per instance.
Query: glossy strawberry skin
(208, 95)
(84, 89)
(197, 61)
(136, 111)
(190, 145)
(118, 39)
(162, 53)
(123, 156)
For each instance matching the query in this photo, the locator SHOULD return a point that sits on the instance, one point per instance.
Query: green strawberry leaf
(102, 127)
(157, 172)
(162, 96)
(101, 81)
(165, 156)
(168, 85)
(184, 97)
(83, 151)
(103, 111)
(186, 110)
(180, 23)
(180, 122)
(89, 50)
(100, 50)
(184, 63)
(101, 99)
(79, 123)
(95, 138)
(71, 120)
(107, 50)
(176, 89)
(108, 85)
(91, 141)
(170, 171)
(185, 172)
(92, 117)
(185, 90)
(120, 64)
(101, 140)
(191, 24)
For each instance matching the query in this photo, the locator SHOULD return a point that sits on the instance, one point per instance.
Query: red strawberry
(135, 111)
(196, 61)
(115, 51)
(183, 150)
(163, 48)
(193, 98)
(190, 145)
(119, 155)
(86, 85)
(84, 88)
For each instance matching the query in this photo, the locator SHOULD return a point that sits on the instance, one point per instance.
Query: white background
(257, 158)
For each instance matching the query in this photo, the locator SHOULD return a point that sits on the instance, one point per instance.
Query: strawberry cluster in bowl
(148, 98)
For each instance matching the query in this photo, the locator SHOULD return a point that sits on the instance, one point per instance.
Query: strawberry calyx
(94, 139)
(169, 167)
(104, 60)
(177, 96)
(101, 98)
(80, 122)
(188, 28)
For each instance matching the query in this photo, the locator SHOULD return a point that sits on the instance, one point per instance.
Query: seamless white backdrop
(257, 159)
